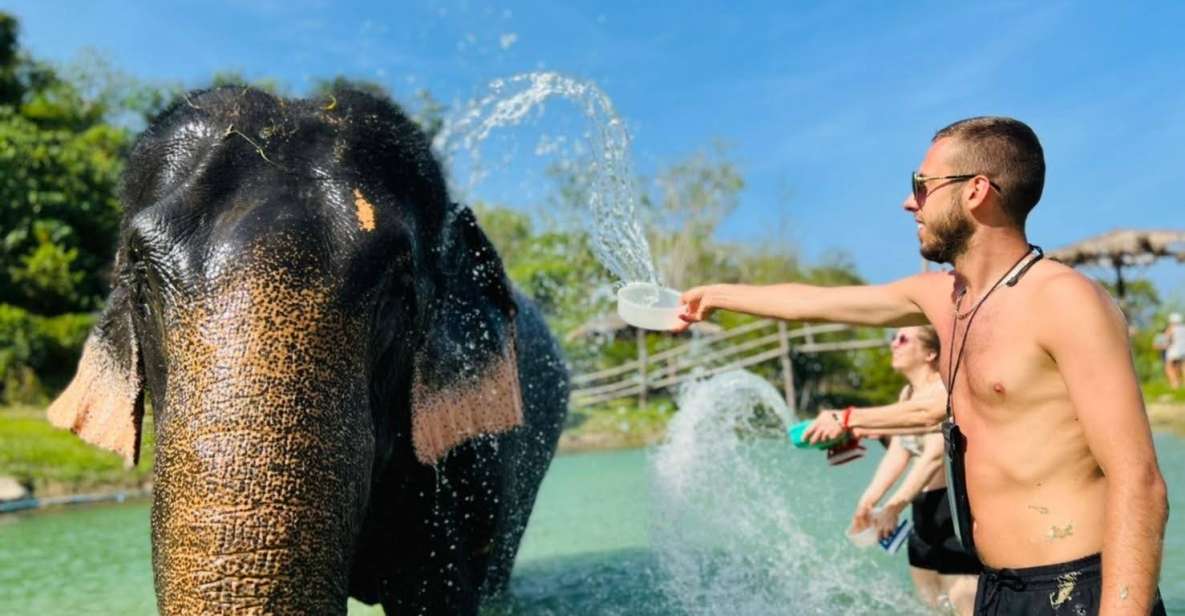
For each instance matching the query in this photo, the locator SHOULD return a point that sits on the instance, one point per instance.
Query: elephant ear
(104, 404)
(466, 380)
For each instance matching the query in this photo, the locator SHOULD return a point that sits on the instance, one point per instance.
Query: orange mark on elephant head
(364, 211)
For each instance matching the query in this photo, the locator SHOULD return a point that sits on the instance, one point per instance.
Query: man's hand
(697, 306)
(825, 427)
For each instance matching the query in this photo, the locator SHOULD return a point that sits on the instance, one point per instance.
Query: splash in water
(617, 238)
(734, 528)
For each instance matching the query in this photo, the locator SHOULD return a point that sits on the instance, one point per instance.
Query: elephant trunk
(264, 451)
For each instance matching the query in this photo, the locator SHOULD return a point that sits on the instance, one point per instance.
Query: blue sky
(826, 107)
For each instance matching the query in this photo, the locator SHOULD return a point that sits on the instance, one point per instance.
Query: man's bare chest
(997, 363)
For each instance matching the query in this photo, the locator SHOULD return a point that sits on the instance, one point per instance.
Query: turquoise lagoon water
(593, 547)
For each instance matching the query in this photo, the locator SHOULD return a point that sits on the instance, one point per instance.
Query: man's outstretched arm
(1098, 372)
(894, 304)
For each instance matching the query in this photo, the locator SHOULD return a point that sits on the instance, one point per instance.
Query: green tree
(1141, 302)
(693, 197)
(11, 88)
(554, 267)
(60, 163)
(1147, 317)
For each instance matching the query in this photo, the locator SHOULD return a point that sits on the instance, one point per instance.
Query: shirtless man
(1060, 466)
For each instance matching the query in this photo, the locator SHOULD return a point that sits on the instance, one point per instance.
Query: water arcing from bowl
(617, 238)
(727, 531)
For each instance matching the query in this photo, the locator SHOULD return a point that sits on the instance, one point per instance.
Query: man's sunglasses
(919, 183)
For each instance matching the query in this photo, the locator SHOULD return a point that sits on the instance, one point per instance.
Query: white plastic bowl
(649, 306)
(865, 538)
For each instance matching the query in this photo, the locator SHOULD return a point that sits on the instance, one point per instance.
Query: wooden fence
(766, 340)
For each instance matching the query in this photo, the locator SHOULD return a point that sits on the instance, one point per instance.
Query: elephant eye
(136, 272)
(136, 259)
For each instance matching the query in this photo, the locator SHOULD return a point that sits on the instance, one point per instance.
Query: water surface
(590, 548)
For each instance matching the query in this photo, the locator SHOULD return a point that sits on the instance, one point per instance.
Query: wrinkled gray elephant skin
(348, 396)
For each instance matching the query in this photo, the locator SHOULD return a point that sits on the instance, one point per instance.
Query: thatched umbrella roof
(1124, 247)
(610, 325)
(1129, 246)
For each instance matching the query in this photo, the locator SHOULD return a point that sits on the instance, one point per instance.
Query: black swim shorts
(1066, 589)
(933, 544)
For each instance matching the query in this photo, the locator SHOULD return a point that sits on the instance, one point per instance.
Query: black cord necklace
(1013, 276)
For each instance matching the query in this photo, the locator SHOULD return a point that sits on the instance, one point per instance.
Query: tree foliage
(61, 214)
(60, 163)
(553, 266)
(693, 198)
(1147, 316)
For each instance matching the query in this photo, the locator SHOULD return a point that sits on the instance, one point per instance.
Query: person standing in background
(1172, 342)
(943, 574)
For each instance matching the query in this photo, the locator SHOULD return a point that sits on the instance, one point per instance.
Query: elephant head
(316, 326)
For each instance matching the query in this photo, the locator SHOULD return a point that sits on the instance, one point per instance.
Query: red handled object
(846, 452)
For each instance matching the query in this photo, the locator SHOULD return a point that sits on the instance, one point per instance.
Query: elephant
(349, 396)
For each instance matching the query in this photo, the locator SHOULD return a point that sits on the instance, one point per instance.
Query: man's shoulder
(1059, 297)
(1055, 284)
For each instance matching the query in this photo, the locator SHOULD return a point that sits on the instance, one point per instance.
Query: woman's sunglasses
(899, 339)
(918, 182)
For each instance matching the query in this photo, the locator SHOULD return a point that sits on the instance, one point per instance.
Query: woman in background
(942, 572)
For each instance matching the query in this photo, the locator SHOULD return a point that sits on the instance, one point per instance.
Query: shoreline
(569, 444)
(608, 440)
(1165, 417)
(70, 500)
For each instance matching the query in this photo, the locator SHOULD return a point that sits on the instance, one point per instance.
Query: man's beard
(950, 234)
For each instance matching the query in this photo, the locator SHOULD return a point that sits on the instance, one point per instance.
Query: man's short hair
(1008, 153)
